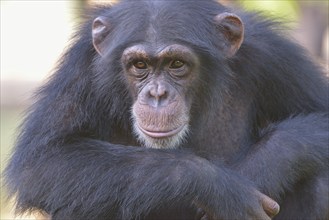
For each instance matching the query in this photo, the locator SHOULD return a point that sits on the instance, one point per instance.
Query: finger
(271, 207)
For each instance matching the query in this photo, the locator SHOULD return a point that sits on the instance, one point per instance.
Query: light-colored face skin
(159, 81)
(160, 138)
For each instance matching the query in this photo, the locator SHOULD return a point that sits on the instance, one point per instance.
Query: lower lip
(161, 134)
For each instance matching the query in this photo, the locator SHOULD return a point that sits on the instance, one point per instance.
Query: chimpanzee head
(157, 48)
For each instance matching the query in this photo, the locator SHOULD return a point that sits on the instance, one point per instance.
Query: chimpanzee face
(161, 76)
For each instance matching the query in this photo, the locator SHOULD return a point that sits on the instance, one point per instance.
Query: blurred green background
(35, 33)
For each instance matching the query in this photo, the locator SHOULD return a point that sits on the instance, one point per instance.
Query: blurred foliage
(283, 9)
(9, 122)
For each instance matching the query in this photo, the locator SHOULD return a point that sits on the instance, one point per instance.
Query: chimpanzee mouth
(159, 133)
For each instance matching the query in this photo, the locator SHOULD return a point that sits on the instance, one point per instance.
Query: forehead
(161, 23)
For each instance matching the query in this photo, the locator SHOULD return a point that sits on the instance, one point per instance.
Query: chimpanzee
(177, 110)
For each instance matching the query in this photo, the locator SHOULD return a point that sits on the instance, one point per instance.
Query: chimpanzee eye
(140, 65)
(176, 64)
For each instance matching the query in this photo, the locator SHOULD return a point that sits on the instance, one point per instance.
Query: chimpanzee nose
(158, 94)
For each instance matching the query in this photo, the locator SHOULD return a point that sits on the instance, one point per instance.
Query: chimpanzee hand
(270, 207)
(266, 209)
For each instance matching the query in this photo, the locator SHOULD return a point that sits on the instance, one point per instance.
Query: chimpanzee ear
(100, 30)
(233, 30)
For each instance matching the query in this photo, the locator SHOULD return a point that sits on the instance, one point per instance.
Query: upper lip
(160, 133)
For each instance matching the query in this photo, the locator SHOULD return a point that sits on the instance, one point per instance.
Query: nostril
(157, 98)
(162, 92)
(158, 92)
(153, 93)
(157, 95)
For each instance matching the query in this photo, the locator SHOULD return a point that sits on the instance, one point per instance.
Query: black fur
(259, 119)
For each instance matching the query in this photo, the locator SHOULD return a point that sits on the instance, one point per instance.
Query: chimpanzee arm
(91, 179)
(289, 151)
